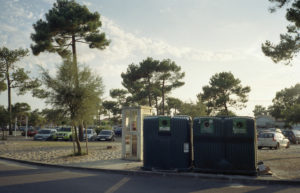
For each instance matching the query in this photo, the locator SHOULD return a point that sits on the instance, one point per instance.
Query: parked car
(64, 133)
(118, 131)
(106, 135)
(290, 135)
(91, 134)
(297, 135)
(272, 140)
(30, 132)
(45, 134)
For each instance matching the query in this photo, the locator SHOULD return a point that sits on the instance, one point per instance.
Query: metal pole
(26, 126)
(16, 126)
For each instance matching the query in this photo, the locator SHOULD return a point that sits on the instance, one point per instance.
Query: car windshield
(44, 131)
(65, 129)
(266, 135)
(88, 131)
(105, 132)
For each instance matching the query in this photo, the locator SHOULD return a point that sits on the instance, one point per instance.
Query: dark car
(118, 131)
(290, 135)
(30, 132)
(106, 135)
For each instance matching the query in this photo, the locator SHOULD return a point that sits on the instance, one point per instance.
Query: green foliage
(193, 109)
(55, 117)
(140, 82)
(259, 110)
(78, 103)
(225, 113)
(152, 81)
(223, 92)
(4, 118)
(174, 103)
(111, 107)
(36, 118)
(3, 86)
(286, 104)
(168, 77)
(289, 45)
(15, 76)
(20, 109)
(120, 95)
(67, 23)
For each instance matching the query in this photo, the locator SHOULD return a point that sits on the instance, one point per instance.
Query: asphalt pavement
(24, 178)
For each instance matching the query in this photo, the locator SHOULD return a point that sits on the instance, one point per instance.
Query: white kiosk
(132, 131)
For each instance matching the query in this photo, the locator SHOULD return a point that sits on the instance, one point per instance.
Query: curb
(222, 177)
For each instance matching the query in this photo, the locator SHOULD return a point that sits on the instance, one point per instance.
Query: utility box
(132, 131)
(167, 143)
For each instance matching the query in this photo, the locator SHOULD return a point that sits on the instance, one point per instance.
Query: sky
(203, 37)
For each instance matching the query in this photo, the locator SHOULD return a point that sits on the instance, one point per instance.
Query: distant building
(266, 121)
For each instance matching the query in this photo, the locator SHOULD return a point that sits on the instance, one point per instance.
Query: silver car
(91, 134)
(45, 134)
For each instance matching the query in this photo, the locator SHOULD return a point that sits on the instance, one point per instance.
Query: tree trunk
(75, 61)
(156, 104)
(77, 142)
(76, 85)
(9, 101)
(149, 93)
(226, 109)
(86, 139)
(80, 131)
(163, 97)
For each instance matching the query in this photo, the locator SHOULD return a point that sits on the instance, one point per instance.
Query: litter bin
(209, 149)
(241, 150)
(167, 143)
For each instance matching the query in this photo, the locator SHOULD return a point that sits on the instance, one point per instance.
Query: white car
(272, 140)
(91, 134)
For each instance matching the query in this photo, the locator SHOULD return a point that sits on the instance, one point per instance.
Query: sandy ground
(284, 163)
(57, 152)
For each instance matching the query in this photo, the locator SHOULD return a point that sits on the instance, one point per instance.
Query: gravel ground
(284, 163)
(57, 152)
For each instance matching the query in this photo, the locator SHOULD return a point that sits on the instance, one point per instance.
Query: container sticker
(186, 148)
(207, 126)
(239, 127)
(164, 124)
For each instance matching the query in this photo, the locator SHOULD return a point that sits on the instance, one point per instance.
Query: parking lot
(284, 163)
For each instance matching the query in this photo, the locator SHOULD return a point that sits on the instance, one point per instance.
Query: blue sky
(203, 37)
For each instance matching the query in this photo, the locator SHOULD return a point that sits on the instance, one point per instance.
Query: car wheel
(287, 145)
(259, 147)
(70, 138)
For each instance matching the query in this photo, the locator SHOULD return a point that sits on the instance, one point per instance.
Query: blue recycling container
(208, 140)
(241, 150)
(167, 143)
